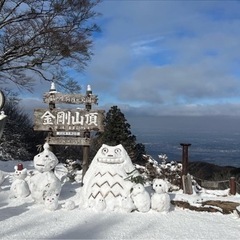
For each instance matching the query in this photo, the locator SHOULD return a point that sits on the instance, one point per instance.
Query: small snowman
(100, 204)
(51, 203)
(44, 183)
(141, 198)
(126, 204)
(19, 187)
(160, 200)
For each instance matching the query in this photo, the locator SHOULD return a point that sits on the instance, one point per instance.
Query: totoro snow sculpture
(44, 182)
(105, 183)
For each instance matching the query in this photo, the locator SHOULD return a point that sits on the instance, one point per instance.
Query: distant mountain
(218, 175)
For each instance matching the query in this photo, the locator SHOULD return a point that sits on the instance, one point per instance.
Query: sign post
(70, 126)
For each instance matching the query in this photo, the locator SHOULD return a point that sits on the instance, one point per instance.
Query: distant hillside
(212, 172)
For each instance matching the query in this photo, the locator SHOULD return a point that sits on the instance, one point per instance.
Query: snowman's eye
(46, 156)
(117, 151)
(104, 151)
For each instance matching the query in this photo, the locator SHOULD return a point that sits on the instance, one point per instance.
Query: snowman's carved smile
(111, 160)
(40, 165)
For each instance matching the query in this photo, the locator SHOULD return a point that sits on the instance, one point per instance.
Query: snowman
(127, 204)
(51, 203)
(44, 182)
(19, 187)
(160, 200)
(141, 198)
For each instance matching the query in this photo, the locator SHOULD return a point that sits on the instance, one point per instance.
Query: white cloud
(179, 56)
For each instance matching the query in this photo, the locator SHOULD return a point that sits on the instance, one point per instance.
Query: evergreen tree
(118, 131)
(18, 141)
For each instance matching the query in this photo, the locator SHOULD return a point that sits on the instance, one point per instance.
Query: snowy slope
(22, 219)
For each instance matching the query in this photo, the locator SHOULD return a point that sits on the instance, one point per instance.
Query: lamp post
(88, 104)
(52, 91)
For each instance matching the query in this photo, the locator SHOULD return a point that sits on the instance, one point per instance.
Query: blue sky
(165, 58)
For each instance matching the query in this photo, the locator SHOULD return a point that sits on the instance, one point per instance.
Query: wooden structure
(233, 186)
(69, 126)
(68, 121)
(186, 178)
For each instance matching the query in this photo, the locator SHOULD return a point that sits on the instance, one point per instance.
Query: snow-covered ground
(23, 219)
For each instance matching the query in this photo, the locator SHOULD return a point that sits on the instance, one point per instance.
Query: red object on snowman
(20, 167)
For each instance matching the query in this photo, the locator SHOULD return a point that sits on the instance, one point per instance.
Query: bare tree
(44, 37)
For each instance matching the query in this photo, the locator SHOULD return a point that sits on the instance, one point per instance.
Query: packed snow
(64, 217)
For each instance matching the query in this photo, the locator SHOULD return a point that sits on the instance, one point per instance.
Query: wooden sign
(68, 141)
(70, 133)
(69, 98)
(68, 120)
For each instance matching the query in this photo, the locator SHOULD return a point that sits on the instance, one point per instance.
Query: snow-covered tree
(18, 141)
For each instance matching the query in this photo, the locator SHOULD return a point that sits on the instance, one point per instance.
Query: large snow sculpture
(45, 183)
(19, 187)
(141, 198)
(105, 184)
(160, 200)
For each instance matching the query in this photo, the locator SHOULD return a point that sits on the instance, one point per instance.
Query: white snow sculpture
(19, 187)
(105, 180)
(160, 200)
(51, 202)
(100, 204)
(44, 183)
(69, 205)
(141, 198)
(127, 204)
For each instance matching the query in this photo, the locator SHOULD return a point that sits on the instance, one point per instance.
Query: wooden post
(187, 184)
(233, 186)
(185, 157)
(186, 179)
(86, 151)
